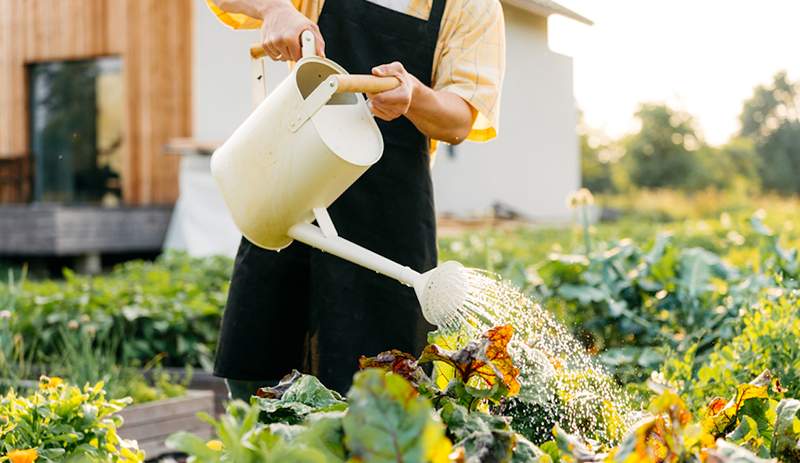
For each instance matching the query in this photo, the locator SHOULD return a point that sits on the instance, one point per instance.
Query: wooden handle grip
(365, 83)
(257, 51)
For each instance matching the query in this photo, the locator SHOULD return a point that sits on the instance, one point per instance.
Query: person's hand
(281, 30)
(391, 104)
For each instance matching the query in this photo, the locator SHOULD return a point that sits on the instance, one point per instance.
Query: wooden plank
(161, 428)
(152, 423)
(188, 405)
(72, 230)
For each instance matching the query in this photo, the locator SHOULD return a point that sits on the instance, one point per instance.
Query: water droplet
(552, 362)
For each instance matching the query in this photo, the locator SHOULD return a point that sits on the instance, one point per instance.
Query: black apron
(301, 308)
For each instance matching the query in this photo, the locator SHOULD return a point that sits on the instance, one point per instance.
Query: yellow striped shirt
(470, 53)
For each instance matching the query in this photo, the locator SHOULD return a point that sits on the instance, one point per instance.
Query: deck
(59, 230)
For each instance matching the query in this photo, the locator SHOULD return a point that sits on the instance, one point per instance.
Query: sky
(701, 56)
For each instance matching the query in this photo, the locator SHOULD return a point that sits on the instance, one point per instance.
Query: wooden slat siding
(153, 37)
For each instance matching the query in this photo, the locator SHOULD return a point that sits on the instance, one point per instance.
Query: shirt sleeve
(471, 60)
(234, 20)
(310, 8)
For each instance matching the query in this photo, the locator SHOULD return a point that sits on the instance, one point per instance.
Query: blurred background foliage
(669, 151)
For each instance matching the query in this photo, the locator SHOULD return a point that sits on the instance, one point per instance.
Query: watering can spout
(441, 291)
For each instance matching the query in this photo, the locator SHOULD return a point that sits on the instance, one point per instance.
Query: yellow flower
(215, 445)
(50, 383)
(23, 456)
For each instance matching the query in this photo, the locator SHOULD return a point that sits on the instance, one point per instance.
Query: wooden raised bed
(151, 423)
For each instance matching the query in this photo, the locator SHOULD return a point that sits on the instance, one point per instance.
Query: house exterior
(534, 162)
(91, 105)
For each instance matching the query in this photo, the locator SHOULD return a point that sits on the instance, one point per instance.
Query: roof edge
(548, 7)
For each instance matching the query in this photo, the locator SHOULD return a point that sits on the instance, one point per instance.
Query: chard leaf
(747, 435)
(526, 452)
(325, 435)
(295, 398)
(721, 416)
(726, 452)
(486, 359)
(574, 450)
(786, 438)
(398, 362)
(388, 422)
(483, 437)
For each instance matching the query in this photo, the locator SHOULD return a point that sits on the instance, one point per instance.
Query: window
(76, 130)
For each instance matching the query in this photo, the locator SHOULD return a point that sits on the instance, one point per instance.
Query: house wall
(221, 97)
(533, 164)
(151, 36)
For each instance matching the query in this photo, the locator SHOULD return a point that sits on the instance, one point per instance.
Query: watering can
(299, 150)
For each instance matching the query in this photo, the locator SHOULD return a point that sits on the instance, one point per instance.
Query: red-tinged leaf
(486, 358)
(397, 362)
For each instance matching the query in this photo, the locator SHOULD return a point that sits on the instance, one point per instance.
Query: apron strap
(435, 16)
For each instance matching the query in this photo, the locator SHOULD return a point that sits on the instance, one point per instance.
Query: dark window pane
(76, 129)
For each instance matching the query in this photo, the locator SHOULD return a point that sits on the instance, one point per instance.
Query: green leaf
(727, 452)
(325, 435)
(484, 437)
(296, 397)
(388, 422)
(551, 448)
(786, 437)
(572, 449)
(192, 445)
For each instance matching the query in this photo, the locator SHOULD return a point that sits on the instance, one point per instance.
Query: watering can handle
(364, 83)
(307, 45)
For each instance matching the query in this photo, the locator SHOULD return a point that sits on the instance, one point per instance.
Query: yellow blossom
(215, 445)
(23, 456)
(50, 383)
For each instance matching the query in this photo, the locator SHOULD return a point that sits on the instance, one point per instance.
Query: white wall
(533, 164)
(222, 75)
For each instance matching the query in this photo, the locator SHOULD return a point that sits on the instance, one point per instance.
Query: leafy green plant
(393, 412)
(172, 306)
(768, 340)
(60, 422)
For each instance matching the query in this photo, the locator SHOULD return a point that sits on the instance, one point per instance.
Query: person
(303, 309)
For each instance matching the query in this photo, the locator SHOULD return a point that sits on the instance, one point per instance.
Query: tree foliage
(771, 118)
(660, 154)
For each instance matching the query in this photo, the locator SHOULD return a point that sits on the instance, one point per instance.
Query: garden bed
(151, 423)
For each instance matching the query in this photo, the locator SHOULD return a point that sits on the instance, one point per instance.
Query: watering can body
(301, 148)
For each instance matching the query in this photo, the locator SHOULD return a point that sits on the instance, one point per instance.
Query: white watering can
(301, 148)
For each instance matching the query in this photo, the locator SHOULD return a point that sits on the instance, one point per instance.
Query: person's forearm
(440, 115)
(254, 8)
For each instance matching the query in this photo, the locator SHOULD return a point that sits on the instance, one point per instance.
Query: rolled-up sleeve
(234, 20)
(470, 60)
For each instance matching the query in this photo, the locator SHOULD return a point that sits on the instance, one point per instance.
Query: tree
(596, 164)
(771, 118)
(660, 155)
